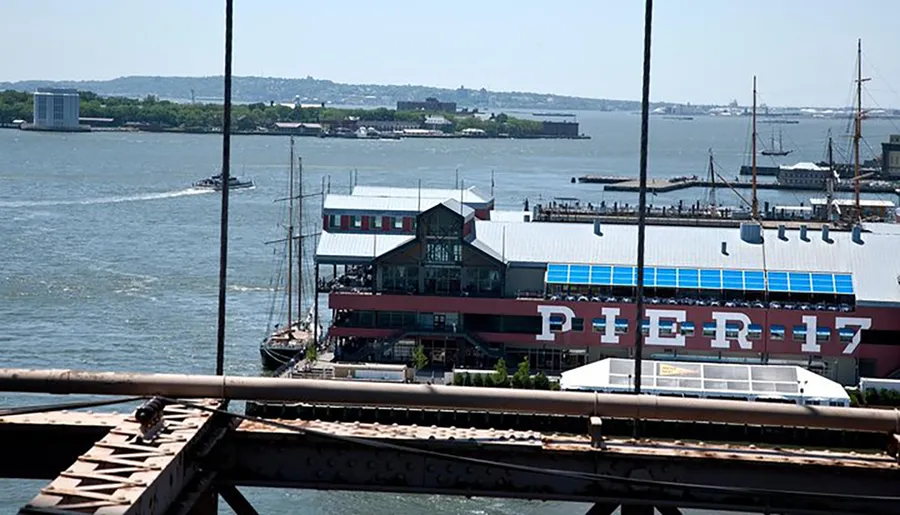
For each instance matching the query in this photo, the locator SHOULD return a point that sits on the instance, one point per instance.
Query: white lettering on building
(546, 312)
(655, 315)
(721, 340)
(810, 344)
(859, 323)
(609, 325)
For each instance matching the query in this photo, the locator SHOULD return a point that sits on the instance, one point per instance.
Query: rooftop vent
(751, 232)
(803, 232)
(597, 230)
(781, 232)
(825, 236)
(856, 233)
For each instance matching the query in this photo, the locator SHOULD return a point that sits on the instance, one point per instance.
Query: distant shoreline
(275, 133)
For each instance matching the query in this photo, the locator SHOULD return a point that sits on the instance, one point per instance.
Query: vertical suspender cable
(642, 205)
(226, 175)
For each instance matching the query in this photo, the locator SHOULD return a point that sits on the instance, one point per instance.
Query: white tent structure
(770, 383)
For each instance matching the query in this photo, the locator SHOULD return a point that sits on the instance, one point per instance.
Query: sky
(704, 51)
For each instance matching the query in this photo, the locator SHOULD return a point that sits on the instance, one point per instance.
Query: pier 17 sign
(723, 330)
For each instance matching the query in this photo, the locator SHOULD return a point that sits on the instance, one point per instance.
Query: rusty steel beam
(448, 397)
(779, 481)
(124, 474)
(39, 445)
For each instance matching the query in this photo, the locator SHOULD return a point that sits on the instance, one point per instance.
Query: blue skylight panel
(799, 282)
(732, 280)
(778, 281)
(754, 281)
(666, 278)
(579, 274)
(843, 284)
(557, 274)
(823, 283)
(601, 275)
(623, 276)
(711, 279)
(649, 277)
(688, 278)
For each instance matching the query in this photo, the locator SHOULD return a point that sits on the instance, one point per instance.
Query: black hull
(272, 358)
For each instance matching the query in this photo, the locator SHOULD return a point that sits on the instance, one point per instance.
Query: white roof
(346, 248)
(874, 272)
(470, 195)
(373, 205)
(848, 202)
(509, 216)
(707, 380)
(805, 167)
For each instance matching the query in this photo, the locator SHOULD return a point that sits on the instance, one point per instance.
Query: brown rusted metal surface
(583, 443)
(742, 477)
(122, 474)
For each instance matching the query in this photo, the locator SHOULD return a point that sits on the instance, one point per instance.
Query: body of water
(108, 259)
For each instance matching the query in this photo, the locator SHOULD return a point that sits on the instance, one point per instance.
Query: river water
(108, 259)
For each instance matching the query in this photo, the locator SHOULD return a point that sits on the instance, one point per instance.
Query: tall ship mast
(857, 133)
(285, 343)
(754, 207)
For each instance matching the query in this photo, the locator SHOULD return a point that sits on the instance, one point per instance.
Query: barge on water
(470, 290)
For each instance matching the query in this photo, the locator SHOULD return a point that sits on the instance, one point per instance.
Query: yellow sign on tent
(672, 370)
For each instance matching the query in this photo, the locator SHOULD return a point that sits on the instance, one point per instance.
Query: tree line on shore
(15, 105)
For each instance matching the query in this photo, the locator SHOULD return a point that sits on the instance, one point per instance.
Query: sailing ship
(300, 330)
(771, 151)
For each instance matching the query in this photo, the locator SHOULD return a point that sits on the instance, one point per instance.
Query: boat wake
(105, 200)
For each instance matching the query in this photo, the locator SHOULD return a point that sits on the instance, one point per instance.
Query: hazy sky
(803, 51)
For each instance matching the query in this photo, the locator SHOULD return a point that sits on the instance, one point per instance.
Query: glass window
(799, 333)
(687, 328)
(556, 323)
(334, 221)
(823, 334)
(578, 324)
(598, 325)
(376, 222)
(754, 331)
(709, 329)
(398, 222)
(621, 325)
(776, 332)
(846, 334)
(443, 252)
(645, 327)
(732, 329)
(356, 221)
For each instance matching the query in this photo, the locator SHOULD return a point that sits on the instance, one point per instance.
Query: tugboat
(215, 183)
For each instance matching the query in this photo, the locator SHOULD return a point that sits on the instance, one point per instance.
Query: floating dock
(667, 185)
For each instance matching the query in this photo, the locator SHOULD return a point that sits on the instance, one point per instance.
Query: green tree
(541, 382)
(467, 379)
(500, 377)
(458, 380)
(312, 353)
(420, 359)
(522, 377)
(478, 380)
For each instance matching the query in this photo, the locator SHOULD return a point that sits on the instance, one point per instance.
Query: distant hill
(266, 89)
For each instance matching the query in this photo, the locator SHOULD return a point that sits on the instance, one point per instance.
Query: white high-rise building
(56, 108)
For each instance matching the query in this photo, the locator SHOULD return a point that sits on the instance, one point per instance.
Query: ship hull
(274, 357)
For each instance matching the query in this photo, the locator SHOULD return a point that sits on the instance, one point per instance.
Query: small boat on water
(215, 182)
